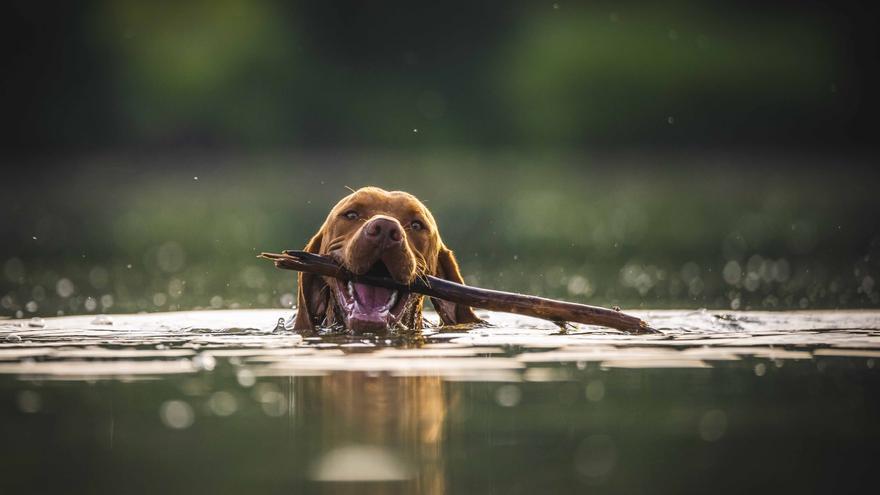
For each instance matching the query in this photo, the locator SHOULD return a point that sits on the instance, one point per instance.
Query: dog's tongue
(370, 298)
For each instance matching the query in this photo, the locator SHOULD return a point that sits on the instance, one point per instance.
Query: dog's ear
(311, 292)
(451, 313)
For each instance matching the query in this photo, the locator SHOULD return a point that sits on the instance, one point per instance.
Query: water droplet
(37, 322)
(64, 288)
(170, 257)
(176, 414)
(595, 390)
(159, 299)
(245, 378)
(99, 277)
(760, 369)
(732, 272)
(508, 395)
(273, 403)
(204, 362)
(596, 456)
(223, 403)
(29, 401)
(286, 300)
(15, 338)
(713, 424)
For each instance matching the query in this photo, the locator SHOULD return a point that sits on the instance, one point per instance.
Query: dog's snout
(383, 230)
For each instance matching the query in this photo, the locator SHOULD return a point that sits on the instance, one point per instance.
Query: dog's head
(377, 232)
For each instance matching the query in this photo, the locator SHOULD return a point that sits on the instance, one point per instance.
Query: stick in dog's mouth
(538, 307)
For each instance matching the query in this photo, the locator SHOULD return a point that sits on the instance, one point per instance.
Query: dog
(377, 232)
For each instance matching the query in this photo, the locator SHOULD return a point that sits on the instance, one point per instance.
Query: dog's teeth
(350, 289)
(392, 300)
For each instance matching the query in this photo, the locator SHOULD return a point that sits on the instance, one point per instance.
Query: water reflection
(375, 427)
(595, 458)
(140, 403)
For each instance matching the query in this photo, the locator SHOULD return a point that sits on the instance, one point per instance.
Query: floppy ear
(451, 313)
(311, 293)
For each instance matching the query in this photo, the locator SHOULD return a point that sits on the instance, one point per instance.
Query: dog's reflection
(381, 429)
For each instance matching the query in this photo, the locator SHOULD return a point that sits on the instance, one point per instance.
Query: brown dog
(381, 233)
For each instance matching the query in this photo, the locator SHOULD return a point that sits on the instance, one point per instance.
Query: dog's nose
(383, 230)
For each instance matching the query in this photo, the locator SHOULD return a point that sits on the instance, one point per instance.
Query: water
(636, 230)
(225, 402)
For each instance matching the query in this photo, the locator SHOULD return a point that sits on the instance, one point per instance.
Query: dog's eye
(417, 225)
(351, 215)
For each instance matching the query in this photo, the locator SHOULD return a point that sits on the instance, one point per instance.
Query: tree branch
(508, 302)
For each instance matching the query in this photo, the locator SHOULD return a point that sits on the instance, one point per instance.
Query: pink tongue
(371, 297)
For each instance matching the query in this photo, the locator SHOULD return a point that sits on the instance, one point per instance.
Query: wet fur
(422, 253)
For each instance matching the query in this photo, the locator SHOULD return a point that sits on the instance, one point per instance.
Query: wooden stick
(494, 300)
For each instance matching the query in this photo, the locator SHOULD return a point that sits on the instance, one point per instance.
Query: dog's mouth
(368, 308)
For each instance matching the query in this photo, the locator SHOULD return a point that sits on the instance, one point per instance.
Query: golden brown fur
(369, 226)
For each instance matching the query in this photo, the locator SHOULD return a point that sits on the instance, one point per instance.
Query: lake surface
(232, 402)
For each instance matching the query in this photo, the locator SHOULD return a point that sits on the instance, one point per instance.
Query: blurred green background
(641, 154)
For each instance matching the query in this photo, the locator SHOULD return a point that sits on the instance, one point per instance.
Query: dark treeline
(91, 75)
